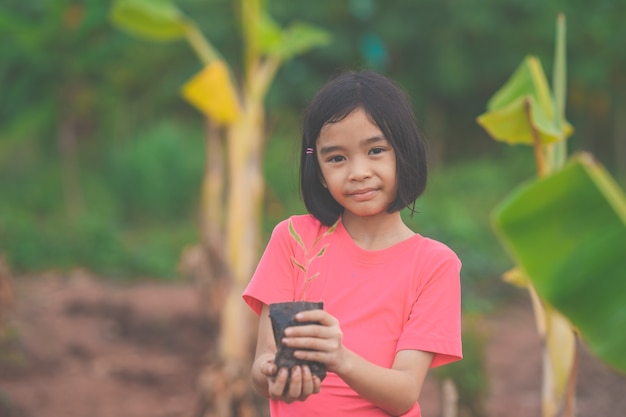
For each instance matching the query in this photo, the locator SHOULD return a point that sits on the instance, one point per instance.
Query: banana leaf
(152, 19)
(286, 43)
(212, 92)
(567, 232)
(522, 105)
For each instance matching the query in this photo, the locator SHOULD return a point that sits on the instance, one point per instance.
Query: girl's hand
(320, 342)
(276, 383)
(289, 388)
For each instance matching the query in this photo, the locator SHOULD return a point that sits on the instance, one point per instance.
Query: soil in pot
(282, 316)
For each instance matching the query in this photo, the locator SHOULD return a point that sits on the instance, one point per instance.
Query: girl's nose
(360, 171)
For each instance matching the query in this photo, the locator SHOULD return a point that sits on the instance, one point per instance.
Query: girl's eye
(376, 151)
(336, 158)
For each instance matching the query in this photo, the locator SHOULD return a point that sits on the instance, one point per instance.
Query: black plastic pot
(282, 316)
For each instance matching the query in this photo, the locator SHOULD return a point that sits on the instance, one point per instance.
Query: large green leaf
(568, 233)
(524, 103)
(153, 19)
(289, 42)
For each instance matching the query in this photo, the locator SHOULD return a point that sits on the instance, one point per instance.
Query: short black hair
(388, 107)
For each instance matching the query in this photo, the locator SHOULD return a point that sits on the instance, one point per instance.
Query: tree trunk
(224, 386)
(243, 227)
(205, 264)
(67, 143)
(619, 138)
(7, 296)
(449, 399)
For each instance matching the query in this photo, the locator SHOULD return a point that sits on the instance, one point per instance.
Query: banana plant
(566, 230)
(230, 214)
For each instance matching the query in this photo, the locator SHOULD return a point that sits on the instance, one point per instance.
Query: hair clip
(309, 151)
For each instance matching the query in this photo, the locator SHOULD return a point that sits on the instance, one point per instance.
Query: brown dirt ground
(79, 347)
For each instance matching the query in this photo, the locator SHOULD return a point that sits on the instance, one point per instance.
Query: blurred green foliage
(455, 209)
(74, 88)
(157, 174)
(141, 196)
(470, 375)
(453, 55)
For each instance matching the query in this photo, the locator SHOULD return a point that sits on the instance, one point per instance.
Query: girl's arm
(394, 390)
(270, 381)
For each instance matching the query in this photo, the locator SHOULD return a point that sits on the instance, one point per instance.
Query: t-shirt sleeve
(434, 323)
(273, 279)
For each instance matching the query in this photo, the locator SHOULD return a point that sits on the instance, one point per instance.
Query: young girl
(391, 296)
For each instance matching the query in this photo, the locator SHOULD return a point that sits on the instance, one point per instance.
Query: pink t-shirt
(403, 297)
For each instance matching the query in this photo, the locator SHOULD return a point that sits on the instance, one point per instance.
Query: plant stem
(559, 81)
(570, 393)
(540, 158)
(559, 75)
(200, 45)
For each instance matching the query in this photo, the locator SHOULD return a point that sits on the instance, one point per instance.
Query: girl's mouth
(363, 194)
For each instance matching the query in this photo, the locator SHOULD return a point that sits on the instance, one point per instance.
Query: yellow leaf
(516, 277)
(519, 278)
(559, 346)
(522, 107)
(211, 91)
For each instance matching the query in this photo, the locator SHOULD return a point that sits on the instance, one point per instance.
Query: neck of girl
(376, 232)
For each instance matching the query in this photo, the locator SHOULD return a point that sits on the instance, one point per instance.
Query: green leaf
(568, 234)
(314, 276)
(298, 264)
(295, 235)
(269, 33)
(332, 228)
(522, 105)
(287, 43)
(152, 19)
(322, 251)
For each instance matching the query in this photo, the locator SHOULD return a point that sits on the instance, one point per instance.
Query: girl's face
(358, 165)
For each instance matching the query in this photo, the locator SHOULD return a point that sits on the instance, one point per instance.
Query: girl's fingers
(269, 369)
(308, 386)
(327, 344)
(310, 330)
(319, 316)
(295, 385)
(309, 343)
(317, 384)
(312, 356)
(277, 384)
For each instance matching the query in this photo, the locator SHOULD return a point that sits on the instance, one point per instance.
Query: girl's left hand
(292, 385)
(320, 342)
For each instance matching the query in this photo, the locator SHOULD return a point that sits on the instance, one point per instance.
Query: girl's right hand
(299, 387)
(271, 382)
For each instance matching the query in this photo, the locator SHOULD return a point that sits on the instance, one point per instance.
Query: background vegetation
(101, 160)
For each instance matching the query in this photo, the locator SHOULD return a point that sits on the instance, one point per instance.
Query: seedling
(309, 259)
(282, 314)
